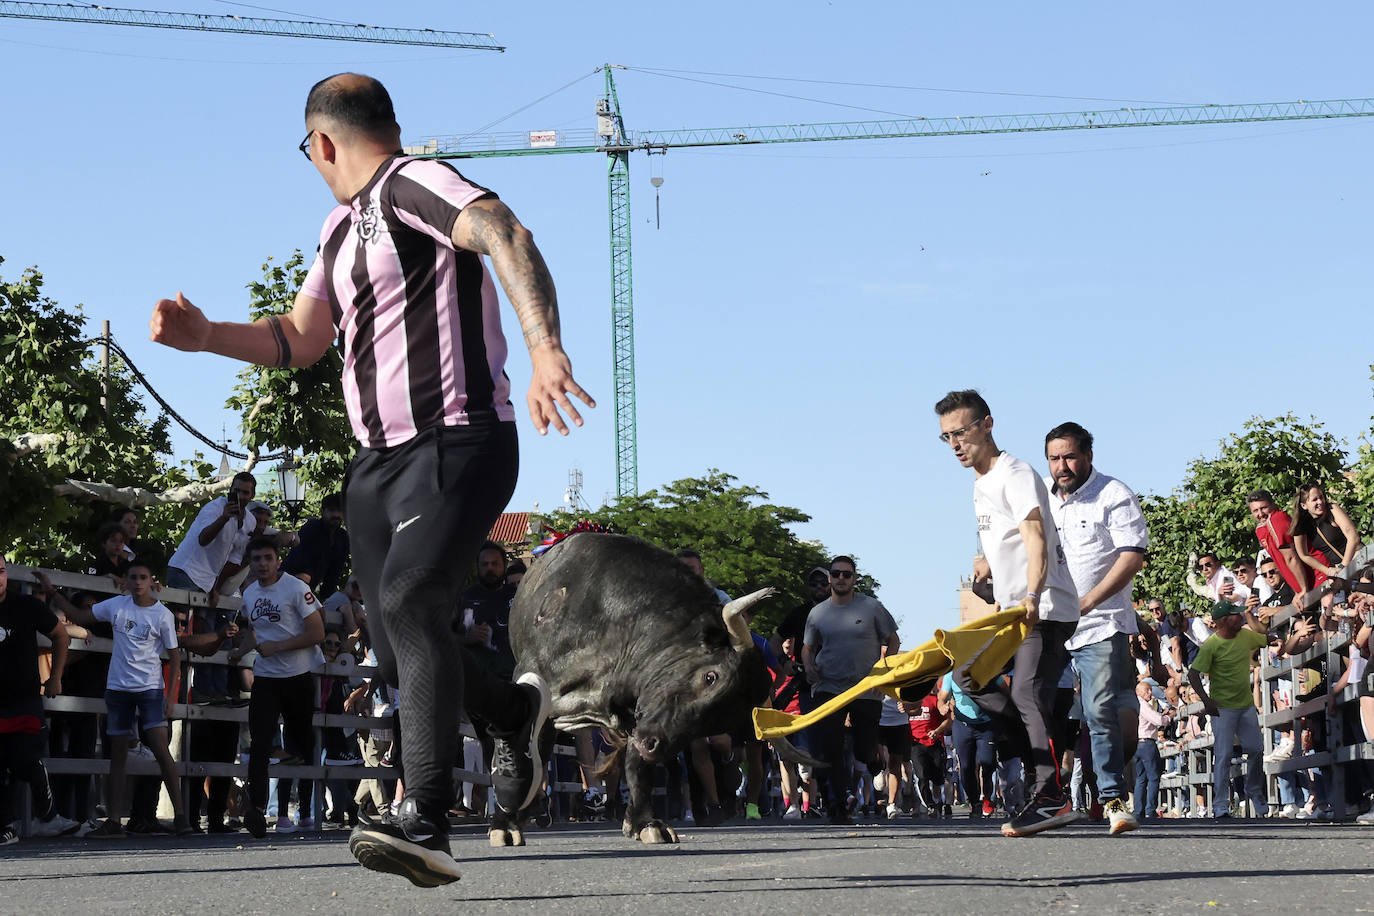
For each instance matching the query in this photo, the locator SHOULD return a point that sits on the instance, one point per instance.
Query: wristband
(1035, 595)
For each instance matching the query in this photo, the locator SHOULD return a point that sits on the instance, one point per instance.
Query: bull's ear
(553, 604)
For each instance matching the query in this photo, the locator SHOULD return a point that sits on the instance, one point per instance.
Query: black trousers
(416, 514)
(829, 734)
(21, 757)
(292, 701)
(215, 742)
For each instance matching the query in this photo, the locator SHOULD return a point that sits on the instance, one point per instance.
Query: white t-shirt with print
(1002, 499)
(141, 635)
(276, 612)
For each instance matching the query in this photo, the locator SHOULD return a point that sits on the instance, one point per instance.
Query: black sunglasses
(841, 574)
(305, 146)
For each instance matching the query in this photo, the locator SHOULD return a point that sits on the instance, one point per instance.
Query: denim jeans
(1107, 675)
(1147, 770)
(1226, 727)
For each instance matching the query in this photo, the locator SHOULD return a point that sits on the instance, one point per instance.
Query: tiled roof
(511, 528)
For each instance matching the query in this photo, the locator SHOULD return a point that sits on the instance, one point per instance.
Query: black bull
(631, 640)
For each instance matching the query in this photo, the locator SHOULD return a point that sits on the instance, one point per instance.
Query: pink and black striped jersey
(418, 319)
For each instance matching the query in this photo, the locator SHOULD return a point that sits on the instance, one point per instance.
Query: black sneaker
(948, 812)
(109, 829)
(1047, 810)
(8, 837)
(410, 845)
(221, 827)
(150, 827)
(255, 822)
(515, 759)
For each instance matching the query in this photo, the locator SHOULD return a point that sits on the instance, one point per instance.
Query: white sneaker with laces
(1288, 811)
(793, 813)
(1367, 818)
(1120, 817)
(57, 825)
(893, 812)
(139, 751)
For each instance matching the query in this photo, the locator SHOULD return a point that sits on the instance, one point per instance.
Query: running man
(1028, 570)
(400, 278)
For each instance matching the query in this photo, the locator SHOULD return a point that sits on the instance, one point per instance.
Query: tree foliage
(1208, 511)
(298, 409)
(745, 541)
(51, 383)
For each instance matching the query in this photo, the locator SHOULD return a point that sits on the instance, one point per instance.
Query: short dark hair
(842, 558)
(139, 564)
(261, 543)
(685, 552)
(490, 545)
(1204, 555)
(1242, 561)
(361, 104)
(247, 478)
(1070, 430)
(1256, 496)
(331, 502)
(966, 398)
(107, 529)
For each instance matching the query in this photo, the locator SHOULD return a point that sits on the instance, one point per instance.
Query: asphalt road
(931, 866)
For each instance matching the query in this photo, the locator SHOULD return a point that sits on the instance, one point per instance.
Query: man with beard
(1103, 533)
(322, 555)
(483, 624)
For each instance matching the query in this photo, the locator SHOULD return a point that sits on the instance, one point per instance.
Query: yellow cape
(991, 640)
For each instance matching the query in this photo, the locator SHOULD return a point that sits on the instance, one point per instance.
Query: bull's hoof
(655, 832)
(506, 836)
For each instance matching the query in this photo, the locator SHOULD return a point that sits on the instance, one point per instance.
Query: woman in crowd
(1324, 537)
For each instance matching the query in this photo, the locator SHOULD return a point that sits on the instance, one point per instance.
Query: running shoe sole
(1059, 820)
(420, 866)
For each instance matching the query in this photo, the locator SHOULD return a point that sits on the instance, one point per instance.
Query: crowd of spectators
(1196, 677)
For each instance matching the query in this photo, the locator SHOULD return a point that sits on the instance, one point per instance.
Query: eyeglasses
(841, 573)
(961, 432)
(305, 146)
(1156, 610)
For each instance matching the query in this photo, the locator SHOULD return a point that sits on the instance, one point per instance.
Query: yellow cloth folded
(991, 640)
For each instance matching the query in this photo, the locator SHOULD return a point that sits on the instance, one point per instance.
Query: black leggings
(21, 756)
(417, 513)
(292, 699)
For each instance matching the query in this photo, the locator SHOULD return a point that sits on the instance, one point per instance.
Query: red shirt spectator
(1272, 531)
(925, 721)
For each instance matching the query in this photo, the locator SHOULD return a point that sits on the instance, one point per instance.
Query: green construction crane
(612, 139)
(281, 28)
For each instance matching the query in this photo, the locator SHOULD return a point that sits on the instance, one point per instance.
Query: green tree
(298, 409)
(745, 541)
(63, 456)
(1208, 511)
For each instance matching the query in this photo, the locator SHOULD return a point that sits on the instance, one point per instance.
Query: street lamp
(292, 487)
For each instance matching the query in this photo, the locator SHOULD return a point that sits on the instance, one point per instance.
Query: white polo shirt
(1002, 499)
(1096, 523)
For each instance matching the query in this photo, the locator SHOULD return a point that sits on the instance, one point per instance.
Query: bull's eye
(711, 678)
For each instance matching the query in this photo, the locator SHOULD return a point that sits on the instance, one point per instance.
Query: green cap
(1223, 608)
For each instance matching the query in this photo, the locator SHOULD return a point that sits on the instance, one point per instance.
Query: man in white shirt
(1029, 571)
(1103, 534)
(286, 627)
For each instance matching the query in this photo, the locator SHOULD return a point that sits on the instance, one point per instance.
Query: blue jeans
(1147, 770)
(1226, 728)
(122, 705)
(1107, 676)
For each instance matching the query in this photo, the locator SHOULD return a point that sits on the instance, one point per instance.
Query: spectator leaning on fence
(1225, 659)
(286, 628)
(22, 619)
(1272, 530)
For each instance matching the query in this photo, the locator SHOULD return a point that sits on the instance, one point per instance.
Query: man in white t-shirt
(286, 627)
(1028, 570)
(1103, 534)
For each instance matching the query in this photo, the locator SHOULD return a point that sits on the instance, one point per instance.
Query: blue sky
(803, 306)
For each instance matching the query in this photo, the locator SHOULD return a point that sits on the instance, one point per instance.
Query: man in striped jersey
(399, 276)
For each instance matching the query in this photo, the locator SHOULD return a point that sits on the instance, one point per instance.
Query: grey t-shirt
(847, 640)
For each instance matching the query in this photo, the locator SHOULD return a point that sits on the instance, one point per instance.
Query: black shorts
(897, 739)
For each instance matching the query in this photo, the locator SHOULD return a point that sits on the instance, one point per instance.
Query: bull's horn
(790, 752)
(734, 617)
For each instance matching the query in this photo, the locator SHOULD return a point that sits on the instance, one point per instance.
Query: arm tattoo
(283, 345)
(521, 269)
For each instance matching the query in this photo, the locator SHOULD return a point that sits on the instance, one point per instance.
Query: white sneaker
(1304, 815)
(893, 812)
(1120, 817)
(793, 813)
(139, 751)
(1367, 818)
(285, 825)
(1288, 811)
(57, 825)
